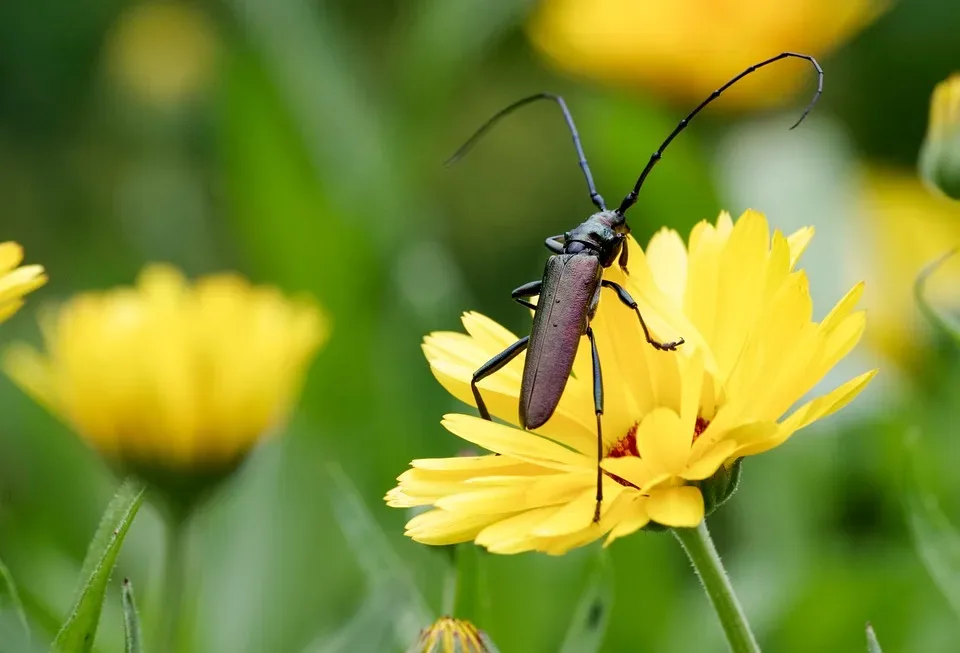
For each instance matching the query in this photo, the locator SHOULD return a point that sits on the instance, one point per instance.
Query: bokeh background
(301, 143)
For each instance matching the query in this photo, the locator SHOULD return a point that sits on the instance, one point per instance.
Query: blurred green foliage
(309, 156)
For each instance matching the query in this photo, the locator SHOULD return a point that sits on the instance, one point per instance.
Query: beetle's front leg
(493, 365)
(631, 302)
(624, 254)
(531, 289)
(555, 243)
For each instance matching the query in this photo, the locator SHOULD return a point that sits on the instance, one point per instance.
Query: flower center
(627, 446)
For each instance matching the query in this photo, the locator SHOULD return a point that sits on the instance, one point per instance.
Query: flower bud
(449, 635)
(940, 154)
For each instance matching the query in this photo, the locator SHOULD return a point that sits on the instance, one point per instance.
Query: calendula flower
(171, 380)
(940, 156)
(15, 282)
(449, 635)
(676, 424)
(903, 227)
(686, 48)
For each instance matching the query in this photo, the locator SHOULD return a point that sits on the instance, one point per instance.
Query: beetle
(569, 291)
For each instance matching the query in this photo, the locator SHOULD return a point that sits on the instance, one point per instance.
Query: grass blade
(873, 646)
(384, 569)
(10, 599)
(133, 636)
(589, 623)
(80, 629)
(936, 539)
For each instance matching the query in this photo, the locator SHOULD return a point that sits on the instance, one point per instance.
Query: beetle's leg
(493, 365)
(598, 408)
(531, 289)
(629, 301)
(624, 254)
(555, 243)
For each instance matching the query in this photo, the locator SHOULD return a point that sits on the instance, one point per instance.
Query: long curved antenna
(466, 147)
(631, 199)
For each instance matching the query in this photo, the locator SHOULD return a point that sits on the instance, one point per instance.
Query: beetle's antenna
(631, 199)
(466, 147)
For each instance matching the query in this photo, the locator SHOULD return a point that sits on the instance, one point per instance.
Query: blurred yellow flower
(15, 282)
(686, 48)
(163, 51)
(449, 635)
(940, 156)
(903, 227)
(675, 424)
(170, 379)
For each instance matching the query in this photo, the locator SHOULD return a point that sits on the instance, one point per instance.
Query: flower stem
(703, 555)
(173, 570)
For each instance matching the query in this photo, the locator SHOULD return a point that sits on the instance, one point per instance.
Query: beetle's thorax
(601, 235)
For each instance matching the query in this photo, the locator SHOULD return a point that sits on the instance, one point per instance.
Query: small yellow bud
(940, 155)
(449, 635)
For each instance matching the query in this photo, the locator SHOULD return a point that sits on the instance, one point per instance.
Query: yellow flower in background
(686, 48)
(940, 155)
(15, 282)
(163, 51)
(903, 227)
(449, 635)
(172, 379)
(675, 424)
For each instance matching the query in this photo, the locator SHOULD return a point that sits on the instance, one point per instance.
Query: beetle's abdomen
(570, 284)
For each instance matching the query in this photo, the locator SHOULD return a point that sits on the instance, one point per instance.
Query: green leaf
(385, 571)
(873, 646)
(80, 629)
(936, 319)
(133, 637)
(592, 615)
(936, 539)
(10, 598)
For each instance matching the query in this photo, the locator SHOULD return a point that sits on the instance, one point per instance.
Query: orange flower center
(627, 446)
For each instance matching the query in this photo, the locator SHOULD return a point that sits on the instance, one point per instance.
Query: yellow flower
(15, 282)
(171, 379)
(940, 156)
(449, 635)
(675, 424)
(686, 48)
(903, 227)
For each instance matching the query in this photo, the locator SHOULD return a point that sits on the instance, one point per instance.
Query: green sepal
(718, 489)
(79, 631)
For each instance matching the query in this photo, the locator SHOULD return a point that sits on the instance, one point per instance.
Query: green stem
(703, 555)
(173, 570)
(451, 583)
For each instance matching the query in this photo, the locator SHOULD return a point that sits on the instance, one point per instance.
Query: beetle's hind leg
(598, 409)
(631, 302)
(493, 365)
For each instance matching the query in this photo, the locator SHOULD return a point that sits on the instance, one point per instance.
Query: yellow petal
(11, 254)
(631, 517)
(519, 444)
(439, 527)
(798, 242)
(678, 507)
(578, 514)
(710, 461)
(814, 410)
(662, 442)
(629, 468)
(667, 257)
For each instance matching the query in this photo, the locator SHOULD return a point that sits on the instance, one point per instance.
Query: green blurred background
(301, 143)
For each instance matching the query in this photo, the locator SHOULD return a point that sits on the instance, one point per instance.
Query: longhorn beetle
(569, 291)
